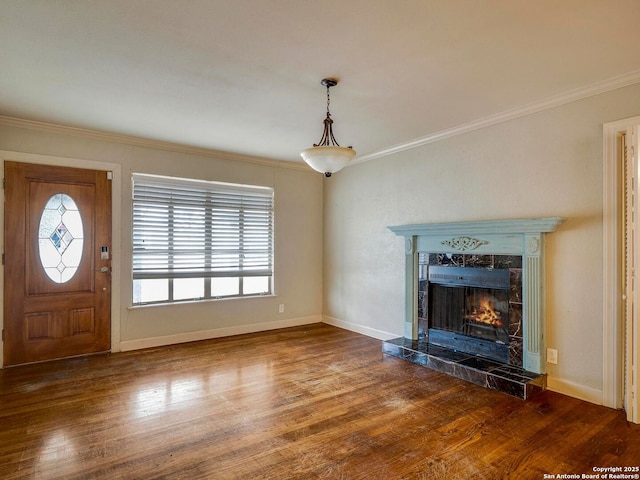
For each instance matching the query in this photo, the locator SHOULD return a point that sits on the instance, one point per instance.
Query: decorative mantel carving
(500, 237)
(464, 243)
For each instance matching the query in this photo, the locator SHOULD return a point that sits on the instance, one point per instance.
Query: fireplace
(474, 304)
(468, 310)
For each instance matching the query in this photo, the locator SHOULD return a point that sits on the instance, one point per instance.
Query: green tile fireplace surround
(519, 237)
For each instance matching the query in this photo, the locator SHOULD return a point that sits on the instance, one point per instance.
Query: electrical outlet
(552, 356)
(281, 308)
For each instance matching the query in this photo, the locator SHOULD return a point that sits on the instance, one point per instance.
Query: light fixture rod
(328, 139)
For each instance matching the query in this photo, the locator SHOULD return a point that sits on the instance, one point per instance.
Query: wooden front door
(57, 281)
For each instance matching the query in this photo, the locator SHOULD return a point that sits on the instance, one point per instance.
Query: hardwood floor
(301, 403)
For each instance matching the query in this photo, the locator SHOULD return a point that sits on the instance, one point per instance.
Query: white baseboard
(354, 327)
(128, 345)
(575, 390)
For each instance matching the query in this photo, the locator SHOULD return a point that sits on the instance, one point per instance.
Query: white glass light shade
(328, 160)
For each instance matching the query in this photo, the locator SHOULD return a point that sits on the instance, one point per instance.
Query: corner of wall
(363, 330)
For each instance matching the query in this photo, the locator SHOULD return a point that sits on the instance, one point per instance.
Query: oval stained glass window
(60, 238)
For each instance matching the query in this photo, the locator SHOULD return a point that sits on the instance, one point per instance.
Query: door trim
(612, 334)
(116, 207)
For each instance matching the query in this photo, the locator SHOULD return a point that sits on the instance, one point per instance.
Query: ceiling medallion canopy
(327, 156)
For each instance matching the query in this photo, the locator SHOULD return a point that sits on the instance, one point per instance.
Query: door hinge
(4, 183)
(3, 259)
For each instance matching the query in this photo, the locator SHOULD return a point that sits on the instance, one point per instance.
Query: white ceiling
(243, 76)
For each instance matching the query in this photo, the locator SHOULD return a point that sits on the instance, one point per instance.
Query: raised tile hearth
(486, 373)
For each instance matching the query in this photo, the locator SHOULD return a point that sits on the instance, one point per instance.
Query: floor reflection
(161, 396)
(58, 446)
(155, 397)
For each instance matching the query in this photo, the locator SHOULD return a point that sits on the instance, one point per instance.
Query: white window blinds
(193, 229)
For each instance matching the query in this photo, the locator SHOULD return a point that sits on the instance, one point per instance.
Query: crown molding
(147, 143)
(597, 88)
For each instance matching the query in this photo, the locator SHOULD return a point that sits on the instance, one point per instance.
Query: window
(199, 240)
(60, 238)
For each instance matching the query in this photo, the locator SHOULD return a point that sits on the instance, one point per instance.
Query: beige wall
(544, 164)
(298, 237)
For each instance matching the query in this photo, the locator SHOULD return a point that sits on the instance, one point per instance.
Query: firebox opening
(468, 311)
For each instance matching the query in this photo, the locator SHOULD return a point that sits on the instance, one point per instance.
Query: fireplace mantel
(523, 237)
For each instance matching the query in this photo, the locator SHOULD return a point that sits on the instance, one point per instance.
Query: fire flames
(485, 313)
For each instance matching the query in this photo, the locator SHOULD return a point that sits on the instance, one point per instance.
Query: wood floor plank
(312, 402)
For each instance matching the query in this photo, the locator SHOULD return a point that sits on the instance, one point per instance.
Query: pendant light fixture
(327, 156)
